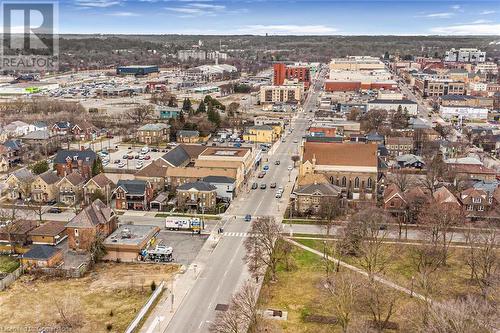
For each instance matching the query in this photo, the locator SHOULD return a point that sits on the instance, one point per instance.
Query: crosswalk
(237, 234)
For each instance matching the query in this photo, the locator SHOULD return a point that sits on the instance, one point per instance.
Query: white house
(393, 105)
(17, 128)
(37, 126)
(225, 186)
(448, 112)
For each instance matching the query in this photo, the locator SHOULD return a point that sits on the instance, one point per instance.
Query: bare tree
(330, 208)
(141, 113)
(380, 302)
(343, 289)
(295, 159)
(264, 248)
(242, 315)
(483, 260)
(402, 179)
(439, 218)
(373, 256)
(426, 260)
(68, 310)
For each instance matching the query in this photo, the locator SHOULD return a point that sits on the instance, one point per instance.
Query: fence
(76, 272)
(134, 325)
(10, 278)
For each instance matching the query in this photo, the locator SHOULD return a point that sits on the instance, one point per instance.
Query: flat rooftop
(131, 234)
(222, 151)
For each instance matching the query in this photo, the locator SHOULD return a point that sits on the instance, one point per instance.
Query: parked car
(261, 174)
(117, 161)
(147, 157)
(290, 168)
(121, 165)
(278, 194)
(277, 162)
(263, 186)
(273, 185)
(125, 156)
(54, 210)
(254, 186)
(248, 218)
(51, 202)
(266, 167)
(130, 157)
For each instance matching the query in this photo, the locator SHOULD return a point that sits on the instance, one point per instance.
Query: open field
(301, 292)
(449, 281)
(8, 264)
(106, 299)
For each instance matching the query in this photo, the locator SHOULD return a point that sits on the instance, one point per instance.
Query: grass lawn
(301, 292)
(8, 264)
(110, 294)
(451, 280)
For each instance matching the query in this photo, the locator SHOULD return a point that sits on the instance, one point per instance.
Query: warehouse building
(389, 105)
(137, 70)
(449, 112)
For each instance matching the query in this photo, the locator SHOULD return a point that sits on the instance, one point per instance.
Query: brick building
(284, 72)
(69, 161)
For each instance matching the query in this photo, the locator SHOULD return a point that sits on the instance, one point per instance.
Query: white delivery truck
(183, 223)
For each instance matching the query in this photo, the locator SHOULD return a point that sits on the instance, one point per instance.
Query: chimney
(82, 148)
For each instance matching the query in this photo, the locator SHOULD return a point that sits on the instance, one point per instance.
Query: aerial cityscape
(227, 166)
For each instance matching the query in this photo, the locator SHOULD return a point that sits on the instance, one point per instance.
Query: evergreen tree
(201, 108)
(97, 167)
(186, 105)
(172, 102)
(181, 116)
(40, 167)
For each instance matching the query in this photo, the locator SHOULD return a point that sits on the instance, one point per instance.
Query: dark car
(51, 202)
(125, 156)
(54, 210)
(263, 186)
(277, 162)
(254, 186)
(154, 150)
(248, 218)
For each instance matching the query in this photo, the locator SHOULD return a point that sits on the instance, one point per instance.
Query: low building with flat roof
(127, 242)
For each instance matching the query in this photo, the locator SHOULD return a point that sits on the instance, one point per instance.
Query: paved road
(225, 269)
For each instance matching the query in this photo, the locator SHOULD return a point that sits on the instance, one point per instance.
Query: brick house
(399, 145)
(84, 131)
(96, 219)
(476, 202)
(69, 161)
(98, 183)
(61, 128)
(42, 256)
(197, 195)
(309, 197)
(133, 194)
(153, 133)
(185, 136)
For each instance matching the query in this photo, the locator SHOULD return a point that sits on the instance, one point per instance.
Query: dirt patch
(105, 300)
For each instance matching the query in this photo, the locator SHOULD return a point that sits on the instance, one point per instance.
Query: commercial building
(283, 72)
(356, 63)
(128, 241)
(137, 70)
(153, 133)
(390, 105)
(465, 55)
(27, 88)
(287, 93)
(466, 101)
(440, 87)
(449, 112)
(397, 146)
(260, 133)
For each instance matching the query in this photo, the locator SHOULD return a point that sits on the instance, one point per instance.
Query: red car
(147, 157)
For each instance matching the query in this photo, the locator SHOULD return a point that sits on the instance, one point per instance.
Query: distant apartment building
(436, 88)
(465, 55)
(486, 67)
(283, 72)
(216, 55)
(287, 93)
(190, 55)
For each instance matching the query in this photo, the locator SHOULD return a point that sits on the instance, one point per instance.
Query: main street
(224, 269)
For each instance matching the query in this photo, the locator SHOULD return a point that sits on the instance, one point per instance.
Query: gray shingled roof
(322, 189)
(49, 177)
(92, 215)
(132, 186)
(176, 157)
(38, 135)
(186, 133)
(199, 185)
(80, 154)
(41, 252)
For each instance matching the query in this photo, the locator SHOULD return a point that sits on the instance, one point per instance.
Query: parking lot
(134, 161)
(186, 245)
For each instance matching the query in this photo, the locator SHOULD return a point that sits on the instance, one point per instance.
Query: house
(443, 196)
(17, 128)
(95, 220)
(42, 256)
(399, 145)
(69, 161)
(185, 136)
(410, 161)
(70, 189)
(19, 184)
(99, 185)
(44, 187)
(472, 172)
(38, 126)
(5, 157)
(15, 148)
(84, 131)
(309, 197)
(476, 202)
(17, 232)
(155, 173)
(225, 186)
(3, 135)
(153, 133)
(406, 205)
(133, 194)
(41, 141)
(180, 176)
(61, 128)
(129, 241)
(159, 202)
(197, 195)
(394, 200)
(168, 112)
(352, 166)
(49, 233)
(260, 133)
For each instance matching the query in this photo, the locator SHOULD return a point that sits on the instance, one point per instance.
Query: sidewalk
(183, 282)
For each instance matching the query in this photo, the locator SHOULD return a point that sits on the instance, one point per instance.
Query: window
(470, 207)
(369, 183)
(356, 182)
(480, 208)
(476, 200)
(344, 181)
(76, 232)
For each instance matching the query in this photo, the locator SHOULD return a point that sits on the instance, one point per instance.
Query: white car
(121, 165)
(278, 194)
(290, 168)
(138, 166)
(145, 150)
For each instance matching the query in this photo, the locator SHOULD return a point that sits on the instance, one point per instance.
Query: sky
(280, 17)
